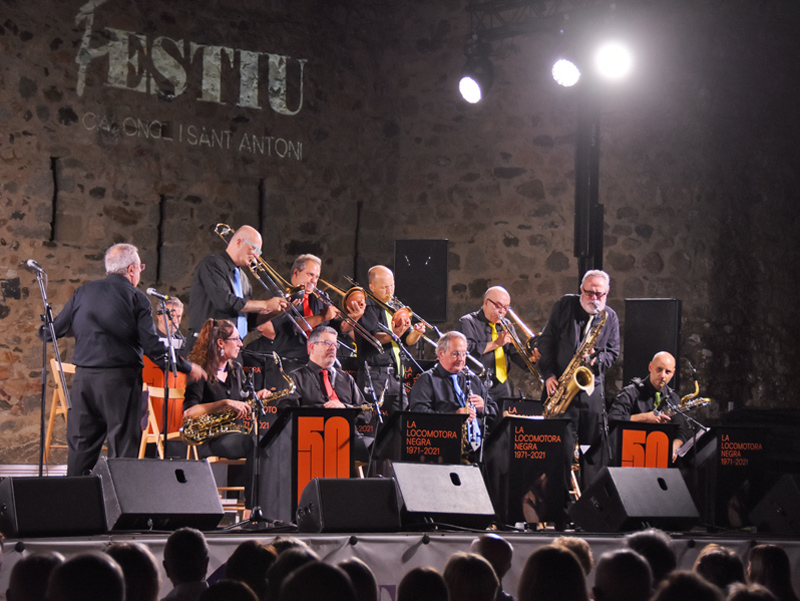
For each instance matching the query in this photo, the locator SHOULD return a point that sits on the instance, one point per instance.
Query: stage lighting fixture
(613, 60)
(566, 73)
(476, 78)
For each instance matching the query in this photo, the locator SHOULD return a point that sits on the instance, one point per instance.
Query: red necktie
(326, 381)
(306, 308)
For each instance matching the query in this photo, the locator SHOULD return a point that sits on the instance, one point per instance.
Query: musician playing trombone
(290, 344)
(376, 320)
(489, 339)
(221, 290)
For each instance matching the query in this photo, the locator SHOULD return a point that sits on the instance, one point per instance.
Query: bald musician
(221, 290)
(490, 342)
(647, 399)
(374, 318)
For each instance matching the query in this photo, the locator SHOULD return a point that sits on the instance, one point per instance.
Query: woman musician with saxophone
(226, 389)
(572, 319)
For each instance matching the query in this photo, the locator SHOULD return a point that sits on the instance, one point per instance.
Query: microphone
(157, 294)
(694, 372)
(35, 266)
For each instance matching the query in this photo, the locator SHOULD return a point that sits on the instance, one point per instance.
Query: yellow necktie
(395, 348)
(500, 366)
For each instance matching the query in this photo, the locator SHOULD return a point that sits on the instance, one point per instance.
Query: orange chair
(155, 405)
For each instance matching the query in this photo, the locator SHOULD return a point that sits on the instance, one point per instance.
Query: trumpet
(263, 274)
(394, 307)
(323, 296)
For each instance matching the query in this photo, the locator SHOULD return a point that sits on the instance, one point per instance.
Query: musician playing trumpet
(290, 344)
(221, 290)
(650, 399)
(490, 341)
(375, 320)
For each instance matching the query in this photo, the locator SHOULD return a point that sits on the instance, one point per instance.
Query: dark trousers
(105, 404)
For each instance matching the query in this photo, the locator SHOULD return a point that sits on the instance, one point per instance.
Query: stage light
(476, 78)
(613, 60)
(566, 73)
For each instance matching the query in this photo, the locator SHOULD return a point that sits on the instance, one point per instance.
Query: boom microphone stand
(47, 318)
(170, 367)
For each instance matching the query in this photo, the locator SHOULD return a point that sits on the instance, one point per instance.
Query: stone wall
(698, 163)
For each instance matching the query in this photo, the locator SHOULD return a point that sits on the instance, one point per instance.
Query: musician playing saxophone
(216, 350)
(651, 399)
(570, 319)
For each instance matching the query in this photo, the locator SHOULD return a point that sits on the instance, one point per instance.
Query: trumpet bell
(355, 294)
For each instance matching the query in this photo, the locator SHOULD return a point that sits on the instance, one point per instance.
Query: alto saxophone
(201, 429)
(576, 376)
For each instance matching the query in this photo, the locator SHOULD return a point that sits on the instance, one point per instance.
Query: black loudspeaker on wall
(51, 507)
(651, 325)
(779, 510)
(448, 494)
(420, 277)
(630, 498)
(155, 494)
(349, 505)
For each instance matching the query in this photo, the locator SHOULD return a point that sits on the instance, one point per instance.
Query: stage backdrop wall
(337, 128)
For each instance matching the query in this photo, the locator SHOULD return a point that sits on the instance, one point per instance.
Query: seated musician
(173, 317)
(216, 349)
(443, 388)
(320, 383)
(647, 400)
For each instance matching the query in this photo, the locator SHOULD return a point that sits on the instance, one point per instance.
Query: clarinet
(472, 433)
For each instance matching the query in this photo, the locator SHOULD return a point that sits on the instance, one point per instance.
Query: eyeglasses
(594, 293)
(140, 266)
(498, 306)
(458, 354)
(327, 343)
(234, 339)
(253, 246)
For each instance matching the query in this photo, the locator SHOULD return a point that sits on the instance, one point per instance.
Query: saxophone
(690, 401)
(576, 376)
(201, 429)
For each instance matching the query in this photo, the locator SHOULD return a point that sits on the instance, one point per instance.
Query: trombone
(526, 349)
(394, 306)
(262, 273)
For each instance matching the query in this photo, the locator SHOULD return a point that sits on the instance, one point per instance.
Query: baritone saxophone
(576, 376)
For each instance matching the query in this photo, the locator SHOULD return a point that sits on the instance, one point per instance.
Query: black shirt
(311, 393)
(373, 315)
(433, 392)
(213, 295)
(563, 334)
(640, 397)
(203, 391)
(290, 343)
(478, 331)
(112, 323)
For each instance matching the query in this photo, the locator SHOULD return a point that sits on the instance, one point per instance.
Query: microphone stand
(257, 521)
(403, 353)
(371, 391)
(170, 367)
(47, 318)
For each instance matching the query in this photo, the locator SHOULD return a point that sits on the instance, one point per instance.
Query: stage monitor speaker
(779, 511)
(420, 277)
(156, 494)
(349, 505)
(651, 325)
(631, 498)
(446, 494)
(55, 506)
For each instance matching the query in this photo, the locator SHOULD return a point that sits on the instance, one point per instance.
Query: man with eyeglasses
(112, 323)
(569, 321)
(320, 383)
(221, 290)
(489, 341)
(444, 388)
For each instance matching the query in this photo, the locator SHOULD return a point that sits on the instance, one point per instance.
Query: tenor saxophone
(201, 429)
(576, 376)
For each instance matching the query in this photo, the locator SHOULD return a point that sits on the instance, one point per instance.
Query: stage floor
(391, 555)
